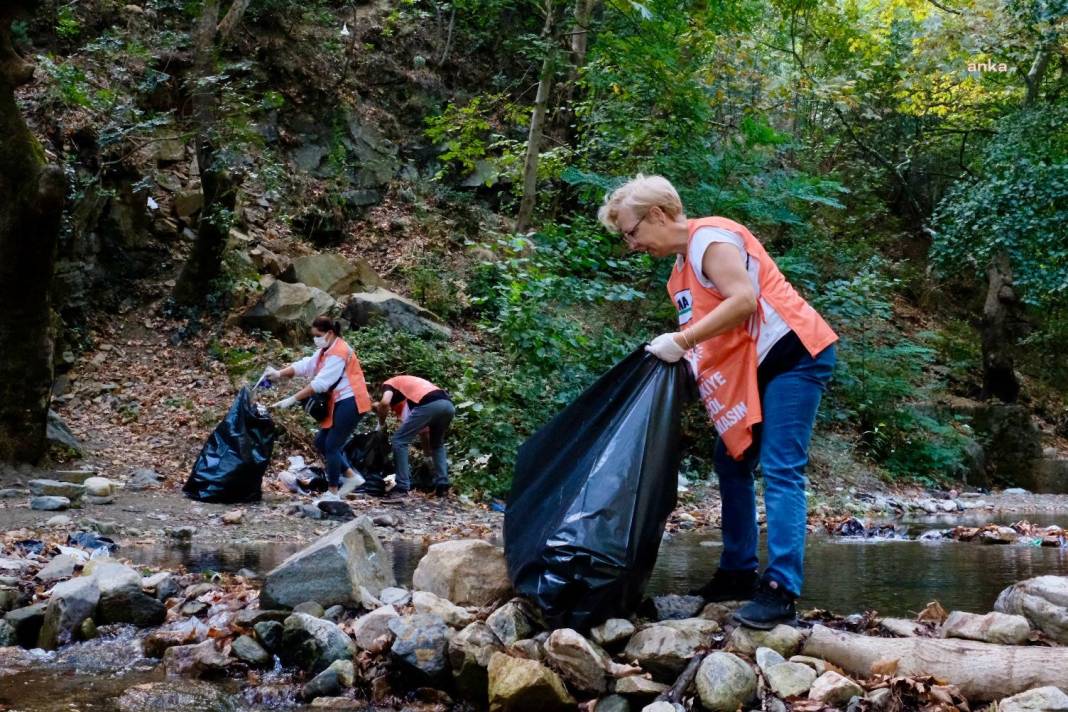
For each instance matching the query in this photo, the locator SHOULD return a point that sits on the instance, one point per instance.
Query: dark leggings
(330, 442)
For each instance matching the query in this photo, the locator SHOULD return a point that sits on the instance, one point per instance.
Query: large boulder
(72, 602)
(519, 685)
(331, 570)
(56, 488)
(287, 310)
(419, 648)
(311, 644)
(398, 312)
(990, 628)
(664, 649)
(121, 598)
(468, 572)
(578, 660)
(725, 682)
(470, 651)
(332, 273)
(1043, 601)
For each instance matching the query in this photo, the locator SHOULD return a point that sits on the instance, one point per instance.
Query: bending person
(762, 358)
(333, 368)
(425, 411)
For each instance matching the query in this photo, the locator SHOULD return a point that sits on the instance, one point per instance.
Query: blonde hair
(640, 194)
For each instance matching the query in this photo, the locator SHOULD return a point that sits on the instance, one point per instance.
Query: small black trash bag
(592, 491)
(232, 462)
(370, 454)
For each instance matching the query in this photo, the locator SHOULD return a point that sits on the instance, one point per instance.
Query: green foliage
(464, 131)
(68, 26)
(1018, 204)
(69, 84)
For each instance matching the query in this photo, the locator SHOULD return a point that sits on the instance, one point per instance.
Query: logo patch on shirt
(684, 303)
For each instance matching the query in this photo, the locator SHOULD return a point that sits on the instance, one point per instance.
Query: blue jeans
(437, 416)
(780, 444)
(330, 442)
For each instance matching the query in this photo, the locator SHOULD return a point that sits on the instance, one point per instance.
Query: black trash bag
(592, 491)
(316, 482)
(232, 462)
(370, 453)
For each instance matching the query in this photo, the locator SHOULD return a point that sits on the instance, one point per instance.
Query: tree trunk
(537, 122)
(218, 185)
(31, 206)
(1001, 317)
(982, 671)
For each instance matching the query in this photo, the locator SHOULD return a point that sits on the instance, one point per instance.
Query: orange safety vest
(725, 366)
(411, 387)
(353, 372)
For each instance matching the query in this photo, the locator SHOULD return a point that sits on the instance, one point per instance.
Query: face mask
(320, 342)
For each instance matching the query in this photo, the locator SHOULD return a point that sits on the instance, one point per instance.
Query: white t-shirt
(333, 366)
(773, 328)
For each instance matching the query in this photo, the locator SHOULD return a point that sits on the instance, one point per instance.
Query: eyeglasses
(629, 235)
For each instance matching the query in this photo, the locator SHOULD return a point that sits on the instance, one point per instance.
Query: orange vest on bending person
(725, 366)
(412, 388)
(353, 372)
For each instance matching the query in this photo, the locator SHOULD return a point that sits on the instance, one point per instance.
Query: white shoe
(350, 483)
(328, 496)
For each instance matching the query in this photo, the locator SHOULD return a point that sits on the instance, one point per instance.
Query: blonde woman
(762, 358)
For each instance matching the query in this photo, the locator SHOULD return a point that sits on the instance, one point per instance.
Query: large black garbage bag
(232, 462)
(370, 453)
(592, 491)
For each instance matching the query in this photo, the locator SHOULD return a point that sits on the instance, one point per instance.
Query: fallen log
(982, 671)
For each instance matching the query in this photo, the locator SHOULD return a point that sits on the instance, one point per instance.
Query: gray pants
(436, 415)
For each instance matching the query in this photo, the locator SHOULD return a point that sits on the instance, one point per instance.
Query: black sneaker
(729, 586)
(771, 605)
(442, 490)
(397, 493)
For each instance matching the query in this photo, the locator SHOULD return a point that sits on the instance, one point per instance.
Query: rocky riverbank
(330, 627)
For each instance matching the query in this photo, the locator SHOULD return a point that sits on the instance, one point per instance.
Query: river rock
(529, 648)
(612, 631)
(269, 634)
(639, 687)
(612, 703)
(99, 487)
(725, 682)
(395, 596)
(27, 622)
(833, 689)
(419, 648)
(664, 650)
(517, 685)
(820, 666)
(398, 312)
(676, 607)
(121, 597)
(992, 627)
(60, 520)
(470, 651)
(332, 273)
(663, 706)
(311, 644)
(10, 597)
(8, 636)
(312, 608)
(71, 603)
(580, 663)
(789, 679)
(766, 657)
(60, 567)
(1000, 535)
(510, 622)
(248, 651)
(49, 503)
(56, 488)
(426, 602)
(334, 613)
(286, 309)
(341, 674)
(1040, 699)
(175, 696)
(143, 478)
(468, 572)
(162, 585)
(783, 639)
(901, 627)
(1043, 601)
(371, 626)
(331, 570)
(199, 660)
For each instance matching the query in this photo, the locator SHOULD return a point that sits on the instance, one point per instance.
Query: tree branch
(232, 19)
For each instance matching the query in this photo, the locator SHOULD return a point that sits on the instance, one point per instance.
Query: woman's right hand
(666, 348)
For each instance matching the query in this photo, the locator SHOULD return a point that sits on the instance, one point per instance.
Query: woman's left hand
(285, 402)
(666, 348)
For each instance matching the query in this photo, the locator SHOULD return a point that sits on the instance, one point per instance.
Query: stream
(896, 577)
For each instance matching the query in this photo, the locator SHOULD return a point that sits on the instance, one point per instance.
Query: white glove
(665, 348)
(285, 402)
(272, 373)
